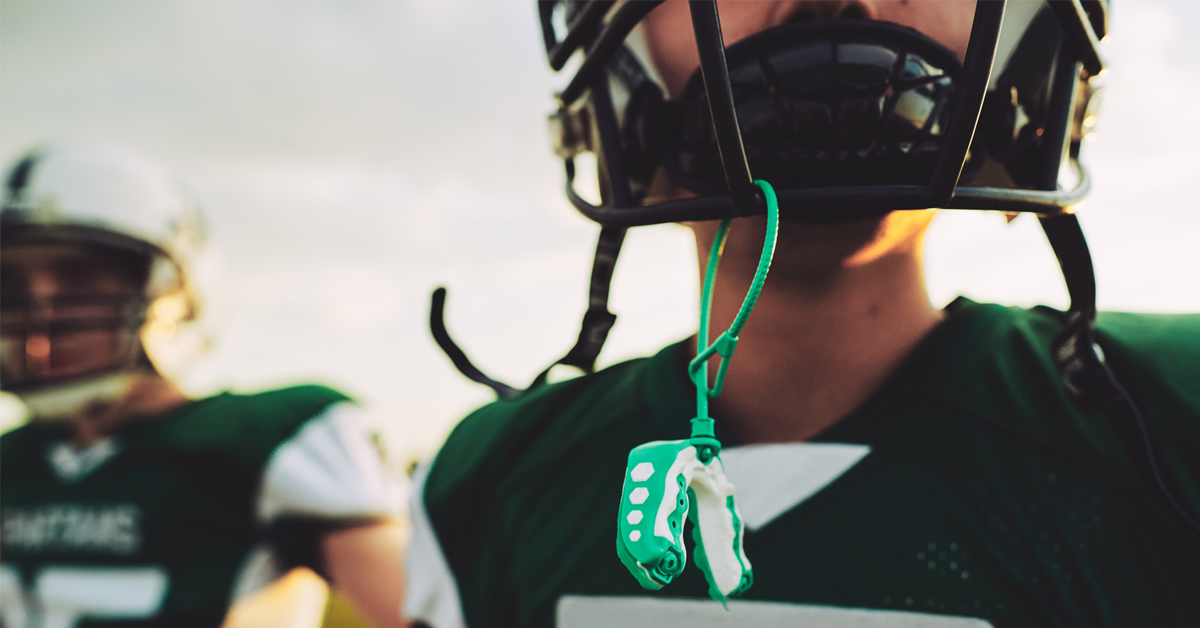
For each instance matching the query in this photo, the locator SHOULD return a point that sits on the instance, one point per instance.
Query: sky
(352, 156)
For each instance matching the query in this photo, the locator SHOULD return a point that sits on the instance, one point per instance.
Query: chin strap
(1089, 382)
(593, 332)
(597, 320)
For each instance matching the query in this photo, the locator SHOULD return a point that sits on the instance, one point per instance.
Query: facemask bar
(706, 24)
(1081, 31)
(27, 321)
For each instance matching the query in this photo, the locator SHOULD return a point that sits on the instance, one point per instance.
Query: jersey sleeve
(329, 470)
(430, 591)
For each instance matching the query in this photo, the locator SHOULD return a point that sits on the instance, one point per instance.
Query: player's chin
(811, 247)
(817, 216)
(895, 233)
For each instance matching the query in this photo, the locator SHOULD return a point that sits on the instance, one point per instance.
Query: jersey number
(62, 596)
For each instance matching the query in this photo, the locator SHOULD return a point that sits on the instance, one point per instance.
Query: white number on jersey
(61, 596)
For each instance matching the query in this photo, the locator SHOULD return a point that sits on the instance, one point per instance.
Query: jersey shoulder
(997, 369)
(556, 418)
(1156, 357)
(247, 426)
(1159, 354)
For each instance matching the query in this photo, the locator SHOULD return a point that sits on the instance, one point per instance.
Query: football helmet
(109, 204)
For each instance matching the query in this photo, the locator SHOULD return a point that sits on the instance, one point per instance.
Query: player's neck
(817, 346)
(150, 396)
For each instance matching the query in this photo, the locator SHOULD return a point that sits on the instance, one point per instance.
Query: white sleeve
(329, 469)
(430, 592)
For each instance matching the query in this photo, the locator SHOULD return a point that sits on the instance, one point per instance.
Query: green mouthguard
(664, 478)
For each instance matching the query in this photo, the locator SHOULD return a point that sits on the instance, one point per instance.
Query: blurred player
(895, 464)
(122, 499)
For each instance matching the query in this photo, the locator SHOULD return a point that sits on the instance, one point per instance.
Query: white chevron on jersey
(773, 479)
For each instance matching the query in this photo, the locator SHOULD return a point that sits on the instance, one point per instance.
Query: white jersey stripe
(577, 611)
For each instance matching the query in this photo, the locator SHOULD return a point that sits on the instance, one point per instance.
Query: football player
(124, 500)
(894, 464)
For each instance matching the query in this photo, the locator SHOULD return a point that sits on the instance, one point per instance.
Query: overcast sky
(354, 155)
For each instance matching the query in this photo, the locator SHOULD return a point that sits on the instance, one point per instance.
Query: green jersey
(168, 521)
(967, 491)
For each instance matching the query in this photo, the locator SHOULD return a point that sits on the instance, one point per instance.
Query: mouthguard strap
(727, 342)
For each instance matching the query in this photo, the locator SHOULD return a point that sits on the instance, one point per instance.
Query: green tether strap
(703, 436)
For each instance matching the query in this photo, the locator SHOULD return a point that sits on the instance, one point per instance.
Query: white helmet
(113, 200)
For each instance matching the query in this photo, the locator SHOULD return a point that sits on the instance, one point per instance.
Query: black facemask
(842, 103)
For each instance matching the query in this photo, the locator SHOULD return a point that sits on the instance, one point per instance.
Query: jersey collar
(931, 366)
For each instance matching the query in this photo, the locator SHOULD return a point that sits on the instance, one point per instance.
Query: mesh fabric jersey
(966, 487)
